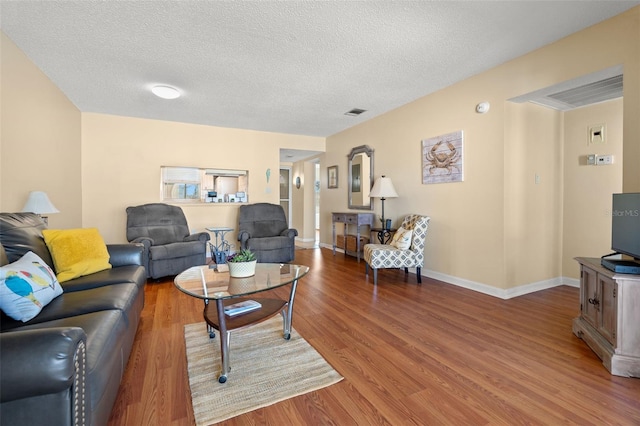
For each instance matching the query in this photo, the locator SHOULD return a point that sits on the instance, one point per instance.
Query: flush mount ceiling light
(165, 92)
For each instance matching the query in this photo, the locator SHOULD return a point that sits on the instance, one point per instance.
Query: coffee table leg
(224, 342)
(210, 330)
(287, 312)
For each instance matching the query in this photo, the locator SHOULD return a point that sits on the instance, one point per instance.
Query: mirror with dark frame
(360, 177)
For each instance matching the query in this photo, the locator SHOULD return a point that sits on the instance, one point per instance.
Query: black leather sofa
(64, 366)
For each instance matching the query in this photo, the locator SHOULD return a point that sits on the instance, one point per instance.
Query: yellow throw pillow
(76, 252)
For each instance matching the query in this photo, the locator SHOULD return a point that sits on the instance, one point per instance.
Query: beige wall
(39, 139)
(467, 217)
(303, 199)
(297, 199)
(478, 228)
(588, 189)
(533, 193)
(94, 165)
(309, 229)
(121, 159)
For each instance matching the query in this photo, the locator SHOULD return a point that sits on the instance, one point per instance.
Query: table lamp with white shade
(39, 203)
(383, 188)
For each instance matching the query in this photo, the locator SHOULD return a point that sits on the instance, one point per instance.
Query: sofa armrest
(42, 361)
(199, 236)
(125, 254)
(243, 237)
(145, 241)
(290, 233)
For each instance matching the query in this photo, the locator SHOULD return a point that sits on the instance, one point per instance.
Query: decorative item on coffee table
(242, 264)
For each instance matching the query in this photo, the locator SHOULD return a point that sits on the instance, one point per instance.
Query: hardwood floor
(409, 354)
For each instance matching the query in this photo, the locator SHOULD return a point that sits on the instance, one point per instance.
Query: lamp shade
(383, 188)
(39, 203)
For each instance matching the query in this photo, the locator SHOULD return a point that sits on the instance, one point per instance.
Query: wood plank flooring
(430, 354)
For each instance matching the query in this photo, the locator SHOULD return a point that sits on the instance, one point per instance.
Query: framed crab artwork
(442, 159)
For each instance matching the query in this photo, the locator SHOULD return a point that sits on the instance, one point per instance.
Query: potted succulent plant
(242, 264)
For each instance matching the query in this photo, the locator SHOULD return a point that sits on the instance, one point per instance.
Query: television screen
(625, 221)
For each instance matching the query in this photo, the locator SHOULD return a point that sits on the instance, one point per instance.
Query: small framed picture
(332, 177)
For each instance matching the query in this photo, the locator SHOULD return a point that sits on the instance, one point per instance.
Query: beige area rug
(265, 369)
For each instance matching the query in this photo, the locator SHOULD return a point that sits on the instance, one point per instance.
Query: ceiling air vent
(599, 91)
(600, 86)
(355, 112)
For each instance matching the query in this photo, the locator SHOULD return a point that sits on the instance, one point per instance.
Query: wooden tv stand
(609, 320)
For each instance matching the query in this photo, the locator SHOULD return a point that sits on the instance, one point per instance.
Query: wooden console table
(351, 218)
(609, 316)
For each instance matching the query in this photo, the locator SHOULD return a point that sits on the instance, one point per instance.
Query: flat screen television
(625, 232)
(625, 224)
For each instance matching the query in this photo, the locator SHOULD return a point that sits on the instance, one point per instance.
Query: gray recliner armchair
(264, 230)
(169, 249)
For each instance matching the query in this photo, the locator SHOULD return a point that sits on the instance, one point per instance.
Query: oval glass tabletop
(207, 283)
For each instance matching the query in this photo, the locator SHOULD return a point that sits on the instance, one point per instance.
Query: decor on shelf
(332, 177)
(383, 189)
(39, 203)
(242, 264)
(442, 159)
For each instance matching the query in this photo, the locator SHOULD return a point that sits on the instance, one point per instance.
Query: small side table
(384, 235)
(221, 248)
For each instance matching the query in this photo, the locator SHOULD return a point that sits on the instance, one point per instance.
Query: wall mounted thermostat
(599, 160)
(602, 160)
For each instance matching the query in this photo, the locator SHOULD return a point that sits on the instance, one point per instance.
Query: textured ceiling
(292, 67)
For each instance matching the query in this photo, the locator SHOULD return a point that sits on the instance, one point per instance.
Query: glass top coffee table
(210, 285)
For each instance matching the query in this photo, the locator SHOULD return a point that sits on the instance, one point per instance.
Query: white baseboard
(501, 293)
(304, 240)
(571, 282)
(487, 289)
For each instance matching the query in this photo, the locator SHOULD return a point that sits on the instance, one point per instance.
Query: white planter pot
(242, 269)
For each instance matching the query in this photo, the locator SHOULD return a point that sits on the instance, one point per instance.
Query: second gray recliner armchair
(169, 248)
(264, 230)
